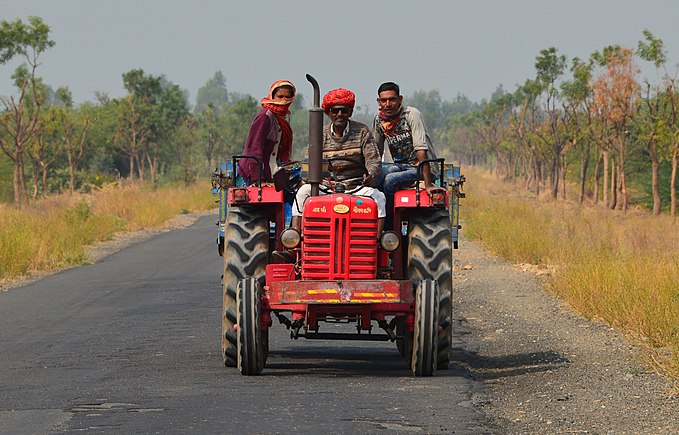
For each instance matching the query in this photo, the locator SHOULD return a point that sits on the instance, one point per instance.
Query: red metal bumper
(340, 292)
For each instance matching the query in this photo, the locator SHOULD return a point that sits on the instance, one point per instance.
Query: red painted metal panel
(279, 272)
(408, 198)
(340, 292)
(269, 195)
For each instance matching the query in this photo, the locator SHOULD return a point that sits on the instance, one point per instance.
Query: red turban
(338, 97)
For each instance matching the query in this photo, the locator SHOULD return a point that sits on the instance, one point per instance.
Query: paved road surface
(131, 345)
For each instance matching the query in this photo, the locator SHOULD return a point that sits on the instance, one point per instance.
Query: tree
(184, 140)
(173, 109)
(46, 148)
(615, 91)
(550, 68)
(237, 121)
(431, 106)
(576, 95)
(299, 121)
(213, 94)
(20, 118)
(211, 133)
(131, 134)
(105, 156)
(150, 114)
(655, 122)
(525, 122)
(76, 124)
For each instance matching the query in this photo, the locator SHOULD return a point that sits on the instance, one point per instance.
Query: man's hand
(368, 179)
(432, 190)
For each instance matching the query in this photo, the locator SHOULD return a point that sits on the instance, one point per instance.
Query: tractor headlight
(290, 238)
(390, 241)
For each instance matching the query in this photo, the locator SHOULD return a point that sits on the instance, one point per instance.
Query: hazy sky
(452, 46)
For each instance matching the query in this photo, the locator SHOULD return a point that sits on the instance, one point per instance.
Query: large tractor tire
(245, 256)
(251, 345)
(424, 350)
(430, 257)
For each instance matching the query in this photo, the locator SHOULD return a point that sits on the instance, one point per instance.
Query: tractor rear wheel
(424, 353)
(250, 343)
(245, 255)
(430, 257)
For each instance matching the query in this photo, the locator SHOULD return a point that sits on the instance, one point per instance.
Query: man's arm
(426, 173)
(419, 133)
(378, 137)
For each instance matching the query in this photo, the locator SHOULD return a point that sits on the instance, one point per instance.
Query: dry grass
(53, 233)
(623, 269)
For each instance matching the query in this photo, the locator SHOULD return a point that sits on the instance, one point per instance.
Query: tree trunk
(71, 173)
(17, 184)
(44, 179)
(621, 176)
(673, 185)
(537, 178)
(71, 182)
(529, 180)
(36, 179)
(605, 179)
(614, 187)
(529, 172)
(597, 179)
(22, 180)
(564, 169)
(141, 168)
(584, 164)
(153, 165)
(655, 184)
(554, 175)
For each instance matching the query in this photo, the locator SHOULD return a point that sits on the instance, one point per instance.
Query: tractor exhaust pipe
(315, 139)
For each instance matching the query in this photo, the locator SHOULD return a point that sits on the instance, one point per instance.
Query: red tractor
(337, 269)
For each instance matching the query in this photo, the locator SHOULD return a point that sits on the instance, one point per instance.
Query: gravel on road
(546, 369)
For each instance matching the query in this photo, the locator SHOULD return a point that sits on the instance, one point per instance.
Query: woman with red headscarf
(270, 136)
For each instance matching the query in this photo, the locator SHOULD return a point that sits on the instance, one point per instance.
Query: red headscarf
(281, 110)
(338, 97)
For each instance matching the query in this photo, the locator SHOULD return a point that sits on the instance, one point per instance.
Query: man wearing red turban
(270, 135)
(338, 97)
(351, 139)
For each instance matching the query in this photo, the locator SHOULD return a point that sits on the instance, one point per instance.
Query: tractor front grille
(339, 246)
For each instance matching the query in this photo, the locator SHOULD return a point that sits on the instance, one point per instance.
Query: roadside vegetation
(619, 268)
(53, 233)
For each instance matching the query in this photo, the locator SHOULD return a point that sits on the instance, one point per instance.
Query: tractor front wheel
(424, 352)
(430, 257)
(251, 342)
(245, 255)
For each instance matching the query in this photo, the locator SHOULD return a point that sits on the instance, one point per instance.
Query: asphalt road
(131, 345)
